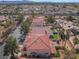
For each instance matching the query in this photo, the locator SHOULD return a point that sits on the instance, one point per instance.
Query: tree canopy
(25, 26)
(50, 19)
(11, 47)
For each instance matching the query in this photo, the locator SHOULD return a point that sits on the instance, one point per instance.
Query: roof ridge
(45, 43)
(38, 38)
(32, 43)
(30, 38)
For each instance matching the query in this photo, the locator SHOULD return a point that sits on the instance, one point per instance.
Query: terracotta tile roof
(2, 28)
(38, 42)
(69, 44)
(2, 18)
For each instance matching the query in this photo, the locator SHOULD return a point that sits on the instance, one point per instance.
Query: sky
(56, 0)
(47, 0)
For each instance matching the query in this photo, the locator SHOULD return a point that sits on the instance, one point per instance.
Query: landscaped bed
(55, 36)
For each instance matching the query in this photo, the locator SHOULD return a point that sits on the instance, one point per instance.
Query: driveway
(16, 33)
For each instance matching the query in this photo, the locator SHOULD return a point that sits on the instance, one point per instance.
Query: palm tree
(68, 54)
(61, 32)
(25, 26)
(64, 36)
(19, 18)
(49, 19)
(11, 47)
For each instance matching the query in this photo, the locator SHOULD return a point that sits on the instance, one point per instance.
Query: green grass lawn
(56, 36)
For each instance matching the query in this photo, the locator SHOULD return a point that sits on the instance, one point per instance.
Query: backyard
(55, 35)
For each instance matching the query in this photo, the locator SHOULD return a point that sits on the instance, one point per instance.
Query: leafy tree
(8, 23)
(64, 37)
(11, 47)
(25, 26)
(67, 35)
(50, 19)
(76, 41)
(19, 18)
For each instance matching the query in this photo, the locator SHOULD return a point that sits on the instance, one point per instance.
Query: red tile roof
(36, 42)
(40, 42)
(69, 44)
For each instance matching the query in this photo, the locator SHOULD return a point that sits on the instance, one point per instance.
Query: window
(34, 54)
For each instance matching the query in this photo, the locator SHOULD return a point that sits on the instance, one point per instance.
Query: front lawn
(55, 37)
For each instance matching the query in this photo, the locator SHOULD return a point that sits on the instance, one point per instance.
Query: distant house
(13, 17)
(75, 31)
(2, 18)
(57, 25)
(69, 45)
(37, 46)
(74, 40)
(77, 46)
(2, 29)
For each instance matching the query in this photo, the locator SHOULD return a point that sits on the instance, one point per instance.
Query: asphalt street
(1, 52)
